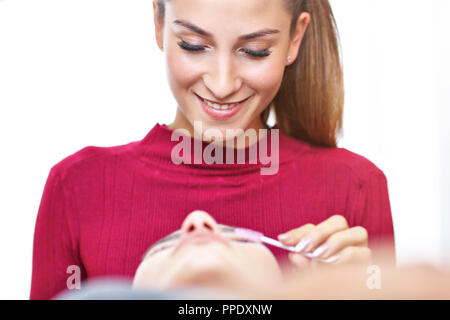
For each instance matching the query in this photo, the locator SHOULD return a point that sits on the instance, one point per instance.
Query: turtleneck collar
(158, 145)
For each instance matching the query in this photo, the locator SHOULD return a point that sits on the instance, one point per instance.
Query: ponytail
(309, 104)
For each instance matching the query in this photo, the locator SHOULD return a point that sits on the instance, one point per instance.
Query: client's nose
(199, 221)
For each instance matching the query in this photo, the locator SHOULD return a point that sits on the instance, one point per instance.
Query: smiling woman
(252, 66)
(228, 63)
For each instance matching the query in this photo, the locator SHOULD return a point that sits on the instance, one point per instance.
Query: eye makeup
(197, 48)
(186, 46)
(169, 241)
(167, 246)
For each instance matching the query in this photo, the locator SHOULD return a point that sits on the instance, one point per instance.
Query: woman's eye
(161, 249)
(258, 54)
(254, 53)
(242, 240)
(186, 46)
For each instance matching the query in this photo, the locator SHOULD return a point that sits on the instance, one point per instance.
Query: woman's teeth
(220, 106)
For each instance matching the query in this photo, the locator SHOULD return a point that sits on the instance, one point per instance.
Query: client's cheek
(149, 271)
(260, 262)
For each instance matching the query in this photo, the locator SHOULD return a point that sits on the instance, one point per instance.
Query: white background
(88, 72)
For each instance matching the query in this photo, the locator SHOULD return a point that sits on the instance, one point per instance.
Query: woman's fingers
(321, 232)
(299, 261)
(356, 236)
(330, 242)
(292, 237)
(350, 254)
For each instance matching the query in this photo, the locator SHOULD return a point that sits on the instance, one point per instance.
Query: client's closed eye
(168, 246)
(241, 240)
(161, 249)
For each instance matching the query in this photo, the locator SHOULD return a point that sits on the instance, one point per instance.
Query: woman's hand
(330, 242)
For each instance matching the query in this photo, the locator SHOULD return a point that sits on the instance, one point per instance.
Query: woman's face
(203, 253)
(213, 53)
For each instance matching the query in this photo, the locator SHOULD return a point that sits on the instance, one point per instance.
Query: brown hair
(309, 103)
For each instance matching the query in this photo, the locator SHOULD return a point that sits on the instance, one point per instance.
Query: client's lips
(200, 237)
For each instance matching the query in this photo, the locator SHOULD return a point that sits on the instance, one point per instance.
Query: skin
(205, 255)
(330, 240)
(224, 73)
(233, 270)
(353, 281)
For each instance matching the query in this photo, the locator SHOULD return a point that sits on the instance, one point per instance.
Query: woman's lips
(236, 102)
(221, 114)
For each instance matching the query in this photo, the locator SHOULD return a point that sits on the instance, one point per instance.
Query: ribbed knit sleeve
(369, 207)
(54, 248)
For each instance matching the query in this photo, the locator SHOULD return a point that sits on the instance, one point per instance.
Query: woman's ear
(159, 25)
(302, 24)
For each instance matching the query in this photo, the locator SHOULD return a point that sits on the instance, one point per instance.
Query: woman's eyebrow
(194, 28)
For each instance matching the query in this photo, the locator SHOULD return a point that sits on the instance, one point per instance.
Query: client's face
(203, 253)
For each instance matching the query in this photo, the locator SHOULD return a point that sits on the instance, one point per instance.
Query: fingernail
(320, 250)
(302, 244)
(285, 237)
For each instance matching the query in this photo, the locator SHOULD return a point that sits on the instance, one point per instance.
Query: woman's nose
(222, 88)
(222, 80)
(199, 221)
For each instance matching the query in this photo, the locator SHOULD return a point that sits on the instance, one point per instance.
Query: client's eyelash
(241, 240)
(161, 248)
(171, 245)
(259, 54)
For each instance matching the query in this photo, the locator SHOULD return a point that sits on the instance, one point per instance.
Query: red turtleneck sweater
(102, 207)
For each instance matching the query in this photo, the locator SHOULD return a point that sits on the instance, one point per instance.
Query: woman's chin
(207, 269)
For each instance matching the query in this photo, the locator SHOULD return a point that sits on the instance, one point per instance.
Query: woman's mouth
(221, 111)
